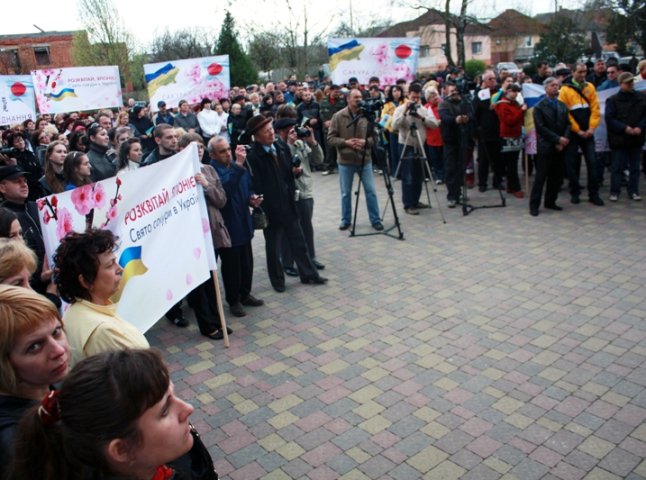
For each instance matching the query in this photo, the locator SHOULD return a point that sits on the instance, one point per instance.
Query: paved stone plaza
(495, 346)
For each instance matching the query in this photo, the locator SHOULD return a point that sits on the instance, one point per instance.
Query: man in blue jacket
(237, 261)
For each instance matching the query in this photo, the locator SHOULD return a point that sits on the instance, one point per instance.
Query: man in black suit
(273, 175)
(552, 130)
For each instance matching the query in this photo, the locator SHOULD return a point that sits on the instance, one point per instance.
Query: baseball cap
(11, 172)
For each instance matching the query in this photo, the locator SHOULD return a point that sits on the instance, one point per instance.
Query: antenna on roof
(41, 30)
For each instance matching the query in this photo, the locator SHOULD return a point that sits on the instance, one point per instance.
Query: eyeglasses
(222, 150)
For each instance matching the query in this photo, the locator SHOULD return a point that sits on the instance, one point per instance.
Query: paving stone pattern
(495, 346)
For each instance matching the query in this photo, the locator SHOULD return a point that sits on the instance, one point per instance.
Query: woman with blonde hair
(34, 355)
(17, 263)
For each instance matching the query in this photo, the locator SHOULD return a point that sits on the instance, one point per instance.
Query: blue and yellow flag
(163, 76)
(63, 94)
(347, 51)
(132, 265)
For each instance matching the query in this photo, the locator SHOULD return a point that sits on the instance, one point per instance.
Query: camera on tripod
(412, 108)
(372, 105)
(465, 85)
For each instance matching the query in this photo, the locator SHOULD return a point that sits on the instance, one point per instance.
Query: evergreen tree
(563, 41)
(242, 70)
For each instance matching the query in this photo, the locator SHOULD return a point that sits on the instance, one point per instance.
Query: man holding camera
(305, 152)
(273, 172)
(411, 121)
(349, 134)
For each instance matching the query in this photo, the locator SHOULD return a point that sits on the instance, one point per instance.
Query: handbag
(196, 464)
(259, 218)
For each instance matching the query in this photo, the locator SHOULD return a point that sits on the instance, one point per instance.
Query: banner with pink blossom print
(61, 90)
(387, 58)
(190, 80)
(164, 238)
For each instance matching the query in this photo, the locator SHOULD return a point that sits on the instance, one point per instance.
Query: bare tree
(180, 44)
(107, 42)
(453, 25)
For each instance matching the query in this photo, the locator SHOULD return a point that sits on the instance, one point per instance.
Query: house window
(9, 60)
(476, 48)
(425, 51)
(528, 41)
(42, 55)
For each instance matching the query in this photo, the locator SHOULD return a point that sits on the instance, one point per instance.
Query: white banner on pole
(159, 214)
(17, 102)
(390, 59)
(60, 90)
(191, 80)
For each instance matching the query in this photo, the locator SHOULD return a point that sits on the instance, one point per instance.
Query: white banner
(387, 58)
(159, 214)
(190, 80)
(60, 90)
(17, 102)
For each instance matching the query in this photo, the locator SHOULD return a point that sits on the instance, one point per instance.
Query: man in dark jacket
(334, 102)
(488, 129)
(273, 177)
(454, 119)
(166, 140)
(552, 132)
(237, 260)
(15, 192)
(626, 123)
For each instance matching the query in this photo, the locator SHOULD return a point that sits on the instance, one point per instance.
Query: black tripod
(419, 155)
(373, 129)
(467, 208)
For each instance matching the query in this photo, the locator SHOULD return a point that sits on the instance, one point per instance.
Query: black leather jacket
(551, 124)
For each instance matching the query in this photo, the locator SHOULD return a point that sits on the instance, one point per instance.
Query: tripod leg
(427, 169)
(356, 202)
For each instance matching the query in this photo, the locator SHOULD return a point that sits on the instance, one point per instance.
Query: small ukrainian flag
(132, 265)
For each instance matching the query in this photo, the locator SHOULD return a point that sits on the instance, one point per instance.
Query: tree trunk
(447, 28)
(459, 33)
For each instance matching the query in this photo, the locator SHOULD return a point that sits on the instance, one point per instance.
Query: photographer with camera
(410, 120)
(273, 172)
(349, 135)
(305, 152)
(455, 116)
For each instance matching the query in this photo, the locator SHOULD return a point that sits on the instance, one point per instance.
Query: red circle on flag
(214, 69)
(403, 51)
(18, 89)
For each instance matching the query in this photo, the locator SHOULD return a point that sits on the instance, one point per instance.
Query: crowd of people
(260, 148)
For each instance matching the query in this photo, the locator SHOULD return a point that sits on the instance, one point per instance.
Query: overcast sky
(145, 19)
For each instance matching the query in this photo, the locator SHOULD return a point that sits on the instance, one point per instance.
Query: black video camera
(372, 105)
(296, 161)
(10, 152)
(302, 132)
(412, 108)
(464, 85)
